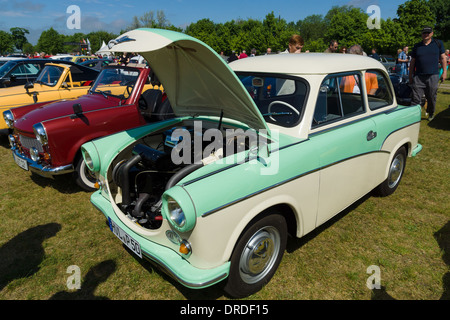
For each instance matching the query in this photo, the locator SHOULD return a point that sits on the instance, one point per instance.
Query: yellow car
(78, 59)
(62, 80)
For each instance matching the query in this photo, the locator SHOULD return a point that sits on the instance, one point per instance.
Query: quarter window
(382, 96)
(339, 97)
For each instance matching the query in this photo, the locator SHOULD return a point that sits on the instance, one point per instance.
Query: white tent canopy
(104, 50)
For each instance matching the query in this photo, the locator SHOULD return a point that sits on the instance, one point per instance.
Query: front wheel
(257, 255)
(395, 174)
(84, 177)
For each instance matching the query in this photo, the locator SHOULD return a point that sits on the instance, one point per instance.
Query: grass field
(48, 226)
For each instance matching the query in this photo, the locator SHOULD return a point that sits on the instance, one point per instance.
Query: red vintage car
(47, 137)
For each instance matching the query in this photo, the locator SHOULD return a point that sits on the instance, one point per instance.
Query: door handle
(371, 135)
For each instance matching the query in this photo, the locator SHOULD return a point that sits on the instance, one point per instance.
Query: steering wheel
(282, 103)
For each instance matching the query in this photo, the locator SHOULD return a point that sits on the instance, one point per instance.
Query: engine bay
(157, 162)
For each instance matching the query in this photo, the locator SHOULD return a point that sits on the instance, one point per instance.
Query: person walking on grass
(424, 70)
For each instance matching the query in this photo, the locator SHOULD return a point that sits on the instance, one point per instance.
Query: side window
(379, 93)
(26, 69)
(339, 97)
(18, 71)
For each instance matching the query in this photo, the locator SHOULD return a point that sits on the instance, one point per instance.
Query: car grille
(29, 143)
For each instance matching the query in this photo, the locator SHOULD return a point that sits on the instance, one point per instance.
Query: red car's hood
(63, 108)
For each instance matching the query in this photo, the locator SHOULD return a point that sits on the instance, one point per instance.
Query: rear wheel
(396, 169)
(257, 255)
(84, 177)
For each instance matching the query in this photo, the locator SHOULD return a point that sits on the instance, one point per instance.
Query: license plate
(20, 162)
(132, 244)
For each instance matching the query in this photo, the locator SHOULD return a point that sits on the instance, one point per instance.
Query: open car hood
(196, 79)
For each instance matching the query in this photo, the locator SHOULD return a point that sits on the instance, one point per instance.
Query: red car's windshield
(118, 82)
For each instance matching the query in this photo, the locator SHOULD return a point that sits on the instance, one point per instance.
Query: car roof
(31, 60)
(305, 63)
(78, 71)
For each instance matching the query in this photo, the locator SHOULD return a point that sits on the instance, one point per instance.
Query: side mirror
(64, 85)
(77, 109)
(28, 86)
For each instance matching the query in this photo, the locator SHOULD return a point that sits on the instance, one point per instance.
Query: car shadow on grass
(294, 243)
(21, 256)
(442, 237)
(4, 139)
(63, 183)
(441, 121)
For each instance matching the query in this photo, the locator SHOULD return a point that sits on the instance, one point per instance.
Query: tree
(148, 20)
(312, 28)
(348, 26)
(6, 42)
(28, 48)
(276, 33)
(50, 42)
(18, 35)
(413, 15)
(441, 10)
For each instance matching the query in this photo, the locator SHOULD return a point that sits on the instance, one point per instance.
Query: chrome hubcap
(395, 171)
(259, 255)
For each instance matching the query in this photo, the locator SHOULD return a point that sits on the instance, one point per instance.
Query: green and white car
(260, 148)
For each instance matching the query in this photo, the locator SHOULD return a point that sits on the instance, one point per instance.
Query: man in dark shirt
(424, 69)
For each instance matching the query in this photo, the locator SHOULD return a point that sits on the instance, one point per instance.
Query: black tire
(257, 255)
(395, 174)
(83, 176)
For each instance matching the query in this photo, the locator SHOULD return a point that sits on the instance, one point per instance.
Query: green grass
(48, 225)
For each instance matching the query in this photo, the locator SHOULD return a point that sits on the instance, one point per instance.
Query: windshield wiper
(100, 91)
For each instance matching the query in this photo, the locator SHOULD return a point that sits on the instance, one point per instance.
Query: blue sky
(114, 15)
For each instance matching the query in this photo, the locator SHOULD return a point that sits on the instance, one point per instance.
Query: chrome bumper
(44, 171)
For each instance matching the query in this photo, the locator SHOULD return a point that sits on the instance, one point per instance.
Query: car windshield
(117, 82)
(4, 69)
(280, 99)
(50, 75)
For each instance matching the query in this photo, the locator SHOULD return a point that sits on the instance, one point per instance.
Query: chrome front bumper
(44, 171)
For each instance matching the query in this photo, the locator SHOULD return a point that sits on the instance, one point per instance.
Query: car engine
(151, 169)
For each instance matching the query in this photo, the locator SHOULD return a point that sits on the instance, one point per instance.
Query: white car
(280, 144)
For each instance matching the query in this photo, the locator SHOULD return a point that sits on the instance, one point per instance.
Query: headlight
(34, 154)
(178, 209)
(90, 156)
(176, 214)
(41, 134)
(9, 118)
(88, 160)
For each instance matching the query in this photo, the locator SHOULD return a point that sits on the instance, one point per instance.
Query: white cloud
(12, 14)
(28, 6)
